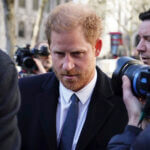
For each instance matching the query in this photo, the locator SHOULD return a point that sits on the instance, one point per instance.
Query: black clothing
(106, 114)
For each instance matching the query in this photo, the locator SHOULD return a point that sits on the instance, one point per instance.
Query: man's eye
(59, 53)
(147, 38)
(78, 54)
(138, 38)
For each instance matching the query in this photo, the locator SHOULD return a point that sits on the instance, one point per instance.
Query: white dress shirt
(64, 102)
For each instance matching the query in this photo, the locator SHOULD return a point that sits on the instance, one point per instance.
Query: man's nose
(141, 46)
(68, 63)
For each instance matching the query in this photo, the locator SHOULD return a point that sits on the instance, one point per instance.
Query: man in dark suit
(9, 104)
(75, 87)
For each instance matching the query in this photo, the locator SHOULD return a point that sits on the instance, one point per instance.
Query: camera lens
(29, 63)
(138, 74)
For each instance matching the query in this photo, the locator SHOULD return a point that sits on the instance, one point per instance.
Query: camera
(138, 73)
(24, 57)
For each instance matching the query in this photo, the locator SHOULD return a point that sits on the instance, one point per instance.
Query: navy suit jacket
(106, 115)
(133, 138)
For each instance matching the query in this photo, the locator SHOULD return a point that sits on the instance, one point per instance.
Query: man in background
(34, 61)
(43, 61)
(133, 138)
(143, 47)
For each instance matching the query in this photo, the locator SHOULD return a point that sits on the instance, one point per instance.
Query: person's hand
(41, 69)
(132, 104)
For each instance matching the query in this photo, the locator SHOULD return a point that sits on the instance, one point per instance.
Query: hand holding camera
(25, 56)
(131, 102)
(135, 86)
(40, 66)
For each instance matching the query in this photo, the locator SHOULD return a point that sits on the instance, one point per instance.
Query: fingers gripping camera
(138, 73)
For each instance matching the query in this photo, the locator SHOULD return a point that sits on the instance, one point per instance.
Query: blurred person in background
(34, 61)
(143, 47)
(9, 104)
(43, 62)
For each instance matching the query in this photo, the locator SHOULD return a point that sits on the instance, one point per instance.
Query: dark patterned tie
(69, 126)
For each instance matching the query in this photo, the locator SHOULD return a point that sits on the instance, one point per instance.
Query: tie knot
(74, 98)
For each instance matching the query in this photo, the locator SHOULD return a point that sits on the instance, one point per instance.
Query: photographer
(43, 62)
(33, 61)
(133, 138)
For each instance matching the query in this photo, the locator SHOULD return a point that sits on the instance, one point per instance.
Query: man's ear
(98, 47)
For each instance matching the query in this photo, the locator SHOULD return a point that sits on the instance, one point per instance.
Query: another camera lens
(28, 62)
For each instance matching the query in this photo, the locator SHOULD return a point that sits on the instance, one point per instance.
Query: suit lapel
(49, 100)
(99, 110)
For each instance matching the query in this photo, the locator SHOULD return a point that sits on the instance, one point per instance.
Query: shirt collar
(84, 94)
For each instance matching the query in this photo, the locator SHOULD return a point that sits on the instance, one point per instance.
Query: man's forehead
(145, 23)
(144, 28)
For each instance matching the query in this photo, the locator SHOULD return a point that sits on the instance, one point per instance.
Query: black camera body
(138, 73)
(24, 57)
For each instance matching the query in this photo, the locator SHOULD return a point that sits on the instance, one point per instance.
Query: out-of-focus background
(22, 22)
